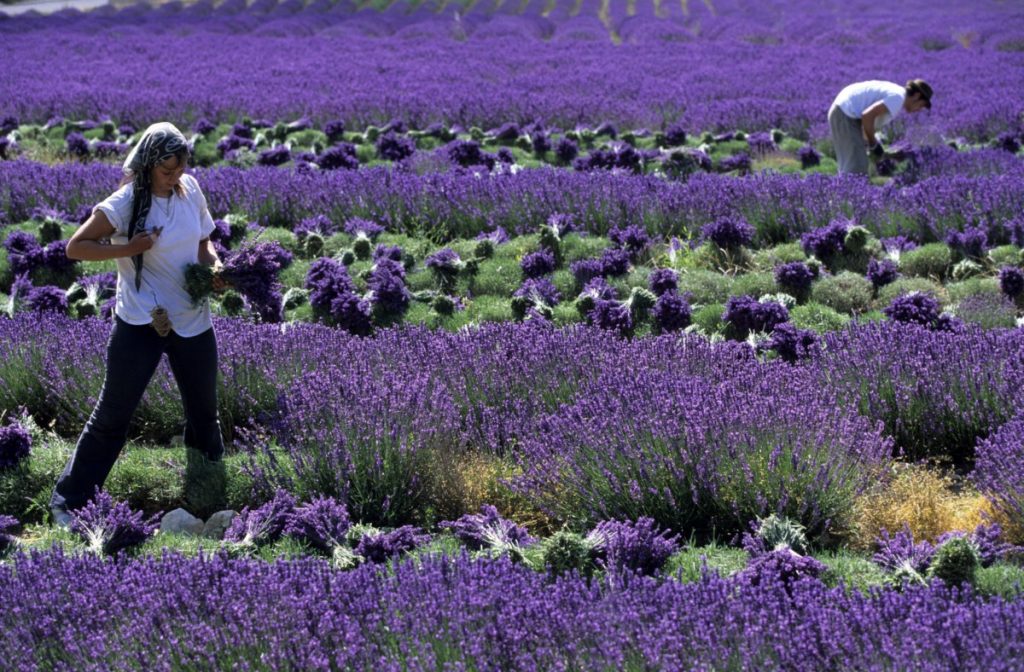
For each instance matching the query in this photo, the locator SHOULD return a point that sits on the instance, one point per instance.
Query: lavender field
(554, 339)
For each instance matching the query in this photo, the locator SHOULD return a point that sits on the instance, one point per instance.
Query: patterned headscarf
(159, 143)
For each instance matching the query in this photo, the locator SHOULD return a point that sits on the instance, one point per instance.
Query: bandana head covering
(159, 143)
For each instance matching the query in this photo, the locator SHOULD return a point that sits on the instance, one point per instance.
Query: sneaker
(61, 518)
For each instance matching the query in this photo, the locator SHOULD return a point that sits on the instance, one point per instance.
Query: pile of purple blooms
(900, 550)
(729, 233)
(1011, 281)
(612, 315)
(738, 162)
(341, 156)
(467, 153)
(633, 239)
(480, 530)
(263, 524)
(358, 226)
(809, 157)
(538, 264)
(319, 224)
(334, 299)
(233, 142)
(662, 280)
(539, 290)
(498, 236)
(882, 272)
(675, 135)
(379, 547)
(623, 157)
(445, 265)
(639, 546)
(827, 242)
(110, 526)
(585, 270)
(784, 566)
(389, 295)
(795, 278)
(253, 271)
(671, 312)
(761, 143)
(920, 308)
(321, 523)
(614, 262)
(275, 156)
(745, 314)
(566, 150)
(7, 540)
(15, 445)
(44, 299)
(25, 254)
(790, 343)
(394, 147)
(971, 243)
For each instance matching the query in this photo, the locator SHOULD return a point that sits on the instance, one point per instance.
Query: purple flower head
(893, 552)
(675, 135)
(380, 547)
(882, 272)
(335, 130)
(106, 149)
(47, 299)
(234, 142)
(333, 298)
(614, 262)
(508, 132)
(915, 307)
(341, 156)
(476, 530)
(671, 313)
(506, 156)
(275, 156)
(538, 264)
(322, 523)
(761, 143)
(320, 224)
(613, 316)
(77, 145)
(783, 567)
(55, 256)
(898, 244)
(7, 540)
(634, 239)
(794, 277)
(445, 259)
(371, 230)
(971, 243)
(988, 539)
(637, 547)
(24, 253)
(392, 252)
(242, 131)
(563, 223)
(264, 524)
(394, 147)
(746, 314)
(539, 289)
(111, 526)
(204, 126)
(387, 284)
(663, 280)
(15, 445)
(729, 233)
(809, 157)
(566, 150)
(252, 270)
(1011, 281)
(739, 162)
(585, 270)
(827, 241)
(1008, 141)
(498, 236)
(790, 343)
(103, 284)
(541, 142)
(468, 153)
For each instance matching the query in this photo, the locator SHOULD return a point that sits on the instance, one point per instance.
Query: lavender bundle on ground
(479, 530)
(110, 526)
(252, 271)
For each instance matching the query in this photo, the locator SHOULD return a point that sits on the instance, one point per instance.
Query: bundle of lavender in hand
(251, 270)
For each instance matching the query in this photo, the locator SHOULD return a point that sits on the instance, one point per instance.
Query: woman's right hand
(142, 241)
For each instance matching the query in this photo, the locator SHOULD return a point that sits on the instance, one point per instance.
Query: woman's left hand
(219, 283)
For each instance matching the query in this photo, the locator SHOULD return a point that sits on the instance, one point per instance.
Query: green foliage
(818, 317)
(708, 319)
(706, 286)
(767, 259)
(778, 532)
(928, 261)
(854, 572)
(906, 286)
(955, 562)
(1000, 580)
(846, 292)
(754, 284)
(958, 291)
(688, 564)
(567, 551)
(1004, 255)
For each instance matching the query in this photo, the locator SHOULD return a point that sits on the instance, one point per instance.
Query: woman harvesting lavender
(861, 109)
(153, 227)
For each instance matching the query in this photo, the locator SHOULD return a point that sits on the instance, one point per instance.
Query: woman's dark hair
(922, 89)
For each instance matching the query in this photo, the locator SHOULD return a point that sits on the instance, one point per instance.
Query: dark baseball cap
(923, 89)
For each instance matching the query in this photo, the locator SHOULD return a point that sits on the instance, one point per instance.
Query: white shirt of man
(855, 99)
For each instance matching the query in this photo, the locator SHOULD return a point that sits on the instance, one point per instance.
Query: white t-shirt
(855, 99)
(163, 265)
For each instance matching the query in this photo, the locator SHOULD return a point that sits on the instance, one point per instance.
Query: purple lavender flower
(898, 244)
(110, 526)
(24, 253)
(381, 547)
(892, 552)
(538, 264)
(784, 567)
(253, 270)
(662, 280)
(738, 162)
(585, 270)
(506, 156)
(988, 539)
(540, 142)
(613, 316)
(335, 130)
(476, 529)
(809, 157)
(671, 313)
(356, 226)
(794, 278)
(322, 523)
(1008, 141)
(640, 547)
(55, 257)
(790, 343)
(394, 147)
(320, 224)
(971, 243)
(566, 151)
(498, 236)
(7, 540)
(614, 262)
(204, 126)
(234, 142)
(729, 233)
(1011, 281)
(264, 524)
(746, 314)
(15, 445)
(77, 145)
(387, 284)
(539, 289)
(675, 135)
(634, 239)
(468, 153)
(340, 156)
(761, 143)
(276, 156)
(392, 252)
(915, 307)
(333, 297)
(827, 241)
(47, 299)
(882, 272)
(563, 223)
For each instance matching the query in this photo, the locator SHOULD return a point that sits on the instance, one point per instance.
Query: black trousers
(133, 353)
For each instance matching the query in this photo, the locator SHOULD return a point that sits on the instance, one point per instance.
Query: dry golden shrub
(927, 501)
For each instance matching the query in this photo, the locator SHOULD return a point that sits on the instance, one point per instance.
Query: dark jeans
(133, 353)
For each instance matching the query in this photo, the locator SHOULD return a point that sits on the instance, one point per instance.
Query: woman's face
(165, 176)
(914, 103)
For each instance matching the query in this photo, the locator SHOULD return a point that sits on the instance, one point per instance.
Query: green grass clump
(708, 319)
(906, 286)
(846, 292)
(767, 259)
(706, 286)
(928, 261)
(688, 564)
(818, 317)
(754, 284)
(958, 291)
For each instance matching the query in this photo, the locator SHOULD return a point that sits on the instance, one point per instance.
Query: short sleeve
(206, 225)
(894, 104)
(118, 209)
